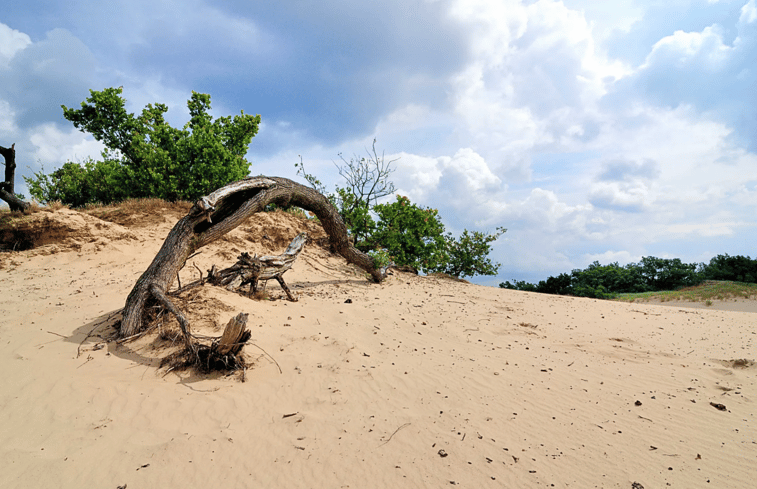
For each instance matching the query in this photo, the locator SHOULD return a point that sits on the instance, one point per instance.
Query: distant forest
(651, 274)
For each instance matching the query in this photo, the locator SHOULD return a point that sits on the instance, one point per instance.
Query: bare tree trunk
(7, 188)
(216, 214)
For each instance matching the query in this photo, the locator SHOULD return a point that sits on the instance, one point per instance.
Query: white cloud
(748, 12)
(633, 197)
(506, 113)
(11, 42)
(534, 82)
(54, 147)
(703, 229)
(621, 257)
(704, 49)
(8, 127)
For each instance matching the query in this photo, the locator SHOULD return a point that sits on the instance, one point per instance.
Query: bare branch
(367, 178)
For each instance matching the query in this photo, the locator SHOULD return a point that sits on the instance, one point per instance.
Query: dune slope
(417, 382)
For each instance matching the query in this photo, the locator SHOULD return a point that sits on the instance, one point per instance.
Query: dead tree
(215, 215)
(7, 188)
(250, 269)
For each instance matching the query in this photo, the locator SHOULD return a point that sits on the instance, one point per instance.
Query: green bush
(734, 268)
(356, 214)
(77, 184)
(410, 234)
(606, 281)
(148, 157)
(468, 255)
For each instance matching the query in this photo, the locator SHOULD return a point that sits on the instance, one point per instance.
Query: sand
(417, 382)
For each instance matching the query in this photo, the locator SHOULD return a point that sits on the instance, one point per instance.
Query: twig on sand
(395, 432)
(269, 356)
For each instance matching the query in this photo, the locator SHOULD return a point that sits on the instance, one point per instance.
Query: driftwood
(216, 214)
(250, 269)
(7, 188)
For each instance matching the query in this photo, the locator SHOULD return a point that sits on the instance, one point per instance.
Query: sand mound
(415, 382)
(269, 233)
(141, 213)
(58, 230)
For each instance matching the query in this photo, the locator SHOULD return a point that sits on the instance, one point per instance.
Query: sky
(602, 131)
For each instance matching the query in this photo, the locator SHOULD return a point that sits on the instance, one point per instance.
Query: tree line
(146, 157)
(651, 274)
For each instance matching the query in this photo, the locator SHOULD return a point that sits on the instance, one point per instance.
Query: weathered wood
(231, 340)
(160, 296)
(214, 215)
(251, 269)
(7, 188)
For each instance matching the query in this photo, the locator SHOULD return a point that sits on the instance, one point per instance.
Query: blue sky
(591, 130)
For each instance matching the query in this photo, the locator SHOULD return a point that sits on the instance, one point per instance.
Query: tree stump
(235, 335)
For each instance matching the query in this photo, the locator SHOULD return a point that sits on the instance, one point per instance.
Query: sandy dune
(418, 382)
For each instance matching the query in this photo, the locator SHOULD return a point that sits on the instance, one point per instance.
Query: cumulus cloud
(591, 130)
(11, 42)
(53, 146)
(40, 76)
(621, 257)
(534, 82)
(703, 69)
(631, 197)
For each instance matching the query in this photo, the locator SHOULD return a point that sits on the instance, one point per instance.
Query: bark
(250, 269)
(7, 188)
(216, 214)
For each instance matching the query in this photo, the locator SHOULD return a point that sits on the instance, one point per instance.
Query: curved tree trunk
(216, 214)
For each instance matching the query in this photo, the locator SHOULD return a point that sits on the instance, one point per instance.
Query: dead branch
(251, 269)
(216, 214)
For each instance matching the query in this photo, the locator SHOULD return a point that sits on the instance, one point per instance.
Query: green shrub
(77, 184)
(148, 157)
(468, 255)
(410, 234)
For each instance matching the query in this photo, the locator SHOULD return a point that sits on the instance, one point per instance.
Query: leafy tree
(735, 268)
(562, 284)
(668, 274)
(606, 281)
(356, 214)
(412, 235)
(153, 158)
(518, 285)
(468, 255)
